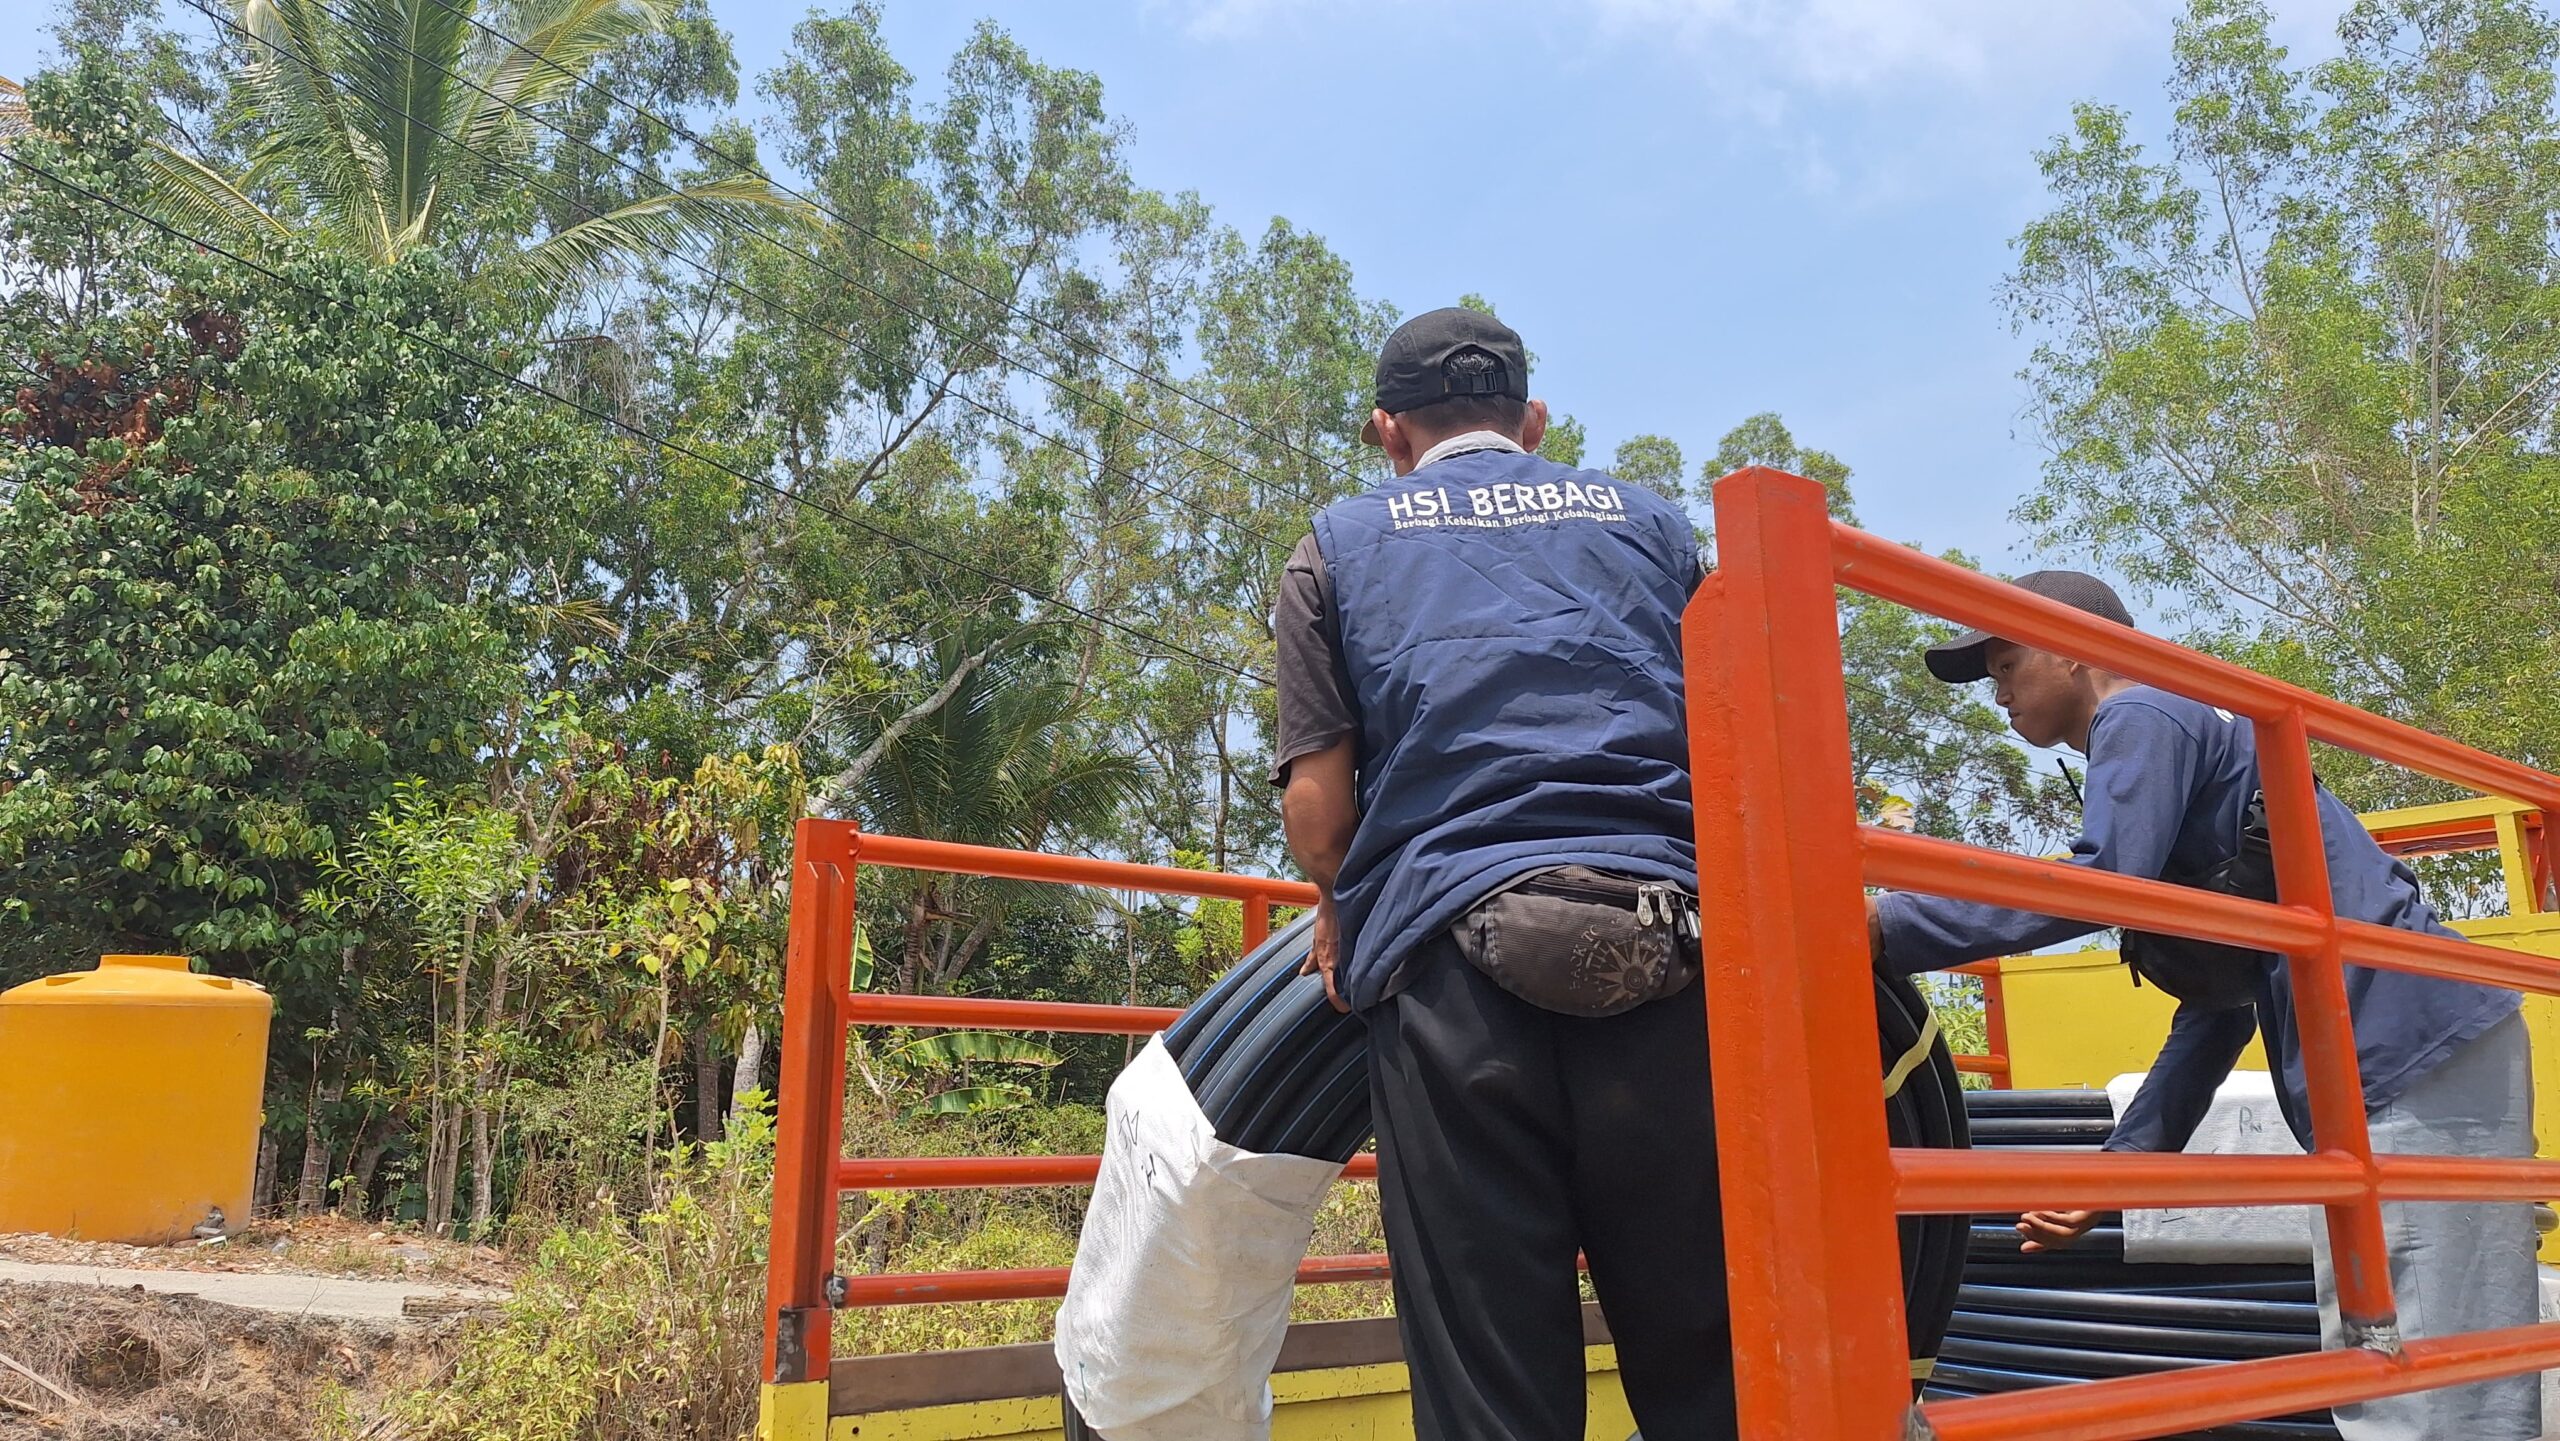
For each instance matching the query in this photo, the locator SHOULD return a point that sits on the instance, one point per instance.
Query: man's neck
(1464, 442)
(2102, 686)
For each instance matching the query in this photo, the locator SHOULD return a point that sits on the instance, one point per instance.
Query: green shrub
(647, 1328)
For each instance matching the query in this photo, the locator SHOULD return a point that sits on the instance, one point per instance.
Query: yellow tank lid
(137, 981)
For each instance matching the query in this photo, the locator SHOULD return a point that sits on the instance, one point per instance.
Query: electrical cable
(891, 247)
(881, 532)
(1911, 711)
(1278, 1071)
(388, 107)
(532, 177)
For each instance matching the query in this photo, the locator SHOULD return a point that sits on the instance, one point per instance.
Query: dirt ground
(86, 1364)
(317, 1245)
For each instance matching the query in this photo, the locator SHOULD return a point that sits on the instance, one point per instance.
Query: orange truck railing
(1816, 1286)
(811, 1174)
(810, 1171)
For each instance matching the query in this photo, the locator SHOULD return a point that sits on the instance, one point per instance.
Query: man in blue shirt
(1484, 755)
(2445, 1064)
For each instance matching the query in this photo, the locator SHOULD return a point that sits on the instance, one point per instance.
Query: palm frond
(194, 196)
(561, 39)
(403, 57)
(671, 221)
(313, 141)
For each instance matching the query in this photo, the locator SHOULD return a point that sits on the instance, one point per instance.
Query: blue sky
(1694, 210)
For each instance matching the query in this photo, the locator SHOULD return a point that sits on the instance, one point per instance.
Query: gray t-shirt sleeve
(1316, 708)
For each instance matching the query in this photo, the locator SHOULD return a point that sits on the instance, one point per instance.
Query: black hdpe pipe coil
(2055, 1318)
(1956, 1381)
(1278, 1071)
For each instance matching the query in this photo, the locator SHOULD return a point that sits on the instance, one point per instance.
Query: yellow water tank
(129, 1101)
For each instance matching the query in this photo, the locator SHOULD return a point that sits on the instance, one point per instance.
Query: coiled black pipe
(2063, 1317)
(1955, 1381)
(1277, 1071)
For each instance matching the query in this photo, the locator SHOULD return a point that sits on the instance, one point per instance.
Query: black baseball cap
(1960, 660)
(1412, 368)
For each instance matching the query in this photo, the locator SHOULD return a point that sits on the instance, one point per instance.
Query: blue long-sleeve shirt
(2169, 782)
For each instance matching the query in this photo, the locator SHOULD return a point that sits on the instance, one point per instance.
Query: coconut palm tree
(386, 124)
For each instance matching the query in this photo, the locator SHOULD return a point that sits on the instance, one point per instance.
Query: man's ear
(1396, 441)
(1533, 426)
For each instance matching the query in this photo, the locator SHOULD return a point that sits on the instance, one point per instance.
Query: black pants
(1508, 1137)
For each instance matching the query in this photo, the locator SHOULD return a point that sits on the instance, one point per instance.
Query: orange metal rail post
(1811, 1189)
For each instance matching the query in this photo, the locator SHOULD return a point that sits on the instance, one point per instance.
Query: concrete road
(301, 1295)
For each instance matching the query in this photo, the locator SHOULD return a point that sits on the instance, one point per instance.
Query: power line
(942, 327)
(1911, 714)
(661, 442)
(678, 129)
(388, 107)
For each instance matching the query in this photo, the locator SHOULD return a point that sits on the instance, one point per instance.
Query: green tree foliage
(1652, 461)
(477, 726)
(262, 558)
(1912, 737)
(2297, 374)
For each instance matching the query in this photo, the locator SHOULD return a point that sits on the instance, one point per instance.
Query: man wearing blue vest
(2173, 794)
(1484, 756)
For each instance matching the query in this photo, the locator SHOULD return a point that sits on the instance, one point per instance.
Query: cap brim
(1369, 429)
(1960, 660)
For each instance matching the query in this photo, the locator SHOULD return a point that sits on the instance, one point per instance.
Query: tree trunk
(706, 1086)
(1129, 934)
(1226, 792)
(911, 970)
(356, 1200)
(328, 1085)
(312, 1196)
(484, 1168)
(262, 1194)
(432, 1151)
(957, 956)
(489, 1087)
(444, 1144)
(444, 1173)
(750, 1073)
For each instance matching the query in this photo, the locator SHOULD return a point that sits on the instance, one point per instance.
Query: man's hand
(1324, 952)
(2054, 1230)
(1875, 929)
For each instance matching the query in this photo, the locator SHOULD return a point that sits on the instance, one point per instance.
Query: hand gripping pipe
(1278, 1071)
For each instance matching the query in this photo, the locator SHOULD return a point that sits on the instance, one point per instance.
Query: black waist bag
(1583, 942)
(2207, 974)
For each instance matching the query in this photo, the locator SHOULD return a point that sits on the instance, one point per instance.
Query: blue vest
(1511, 632)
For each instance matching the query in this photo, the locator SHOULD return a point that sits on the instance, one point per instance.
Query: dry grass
(174, 1368)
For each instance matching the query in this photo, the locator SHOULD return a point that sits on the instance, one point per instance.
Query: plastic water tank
(129, 1101)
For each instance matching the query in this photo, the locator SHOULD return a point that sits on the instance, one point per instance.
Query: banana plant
(940, 1070)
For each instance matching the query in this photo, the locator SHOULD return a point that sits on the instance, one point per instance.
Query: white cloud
(1837, 45)
(1230, 19)
(1820, 44)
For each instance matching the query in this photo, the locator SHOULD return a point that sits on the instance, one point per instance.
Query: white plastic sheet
(2244, 1121)
(1180, 1294)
